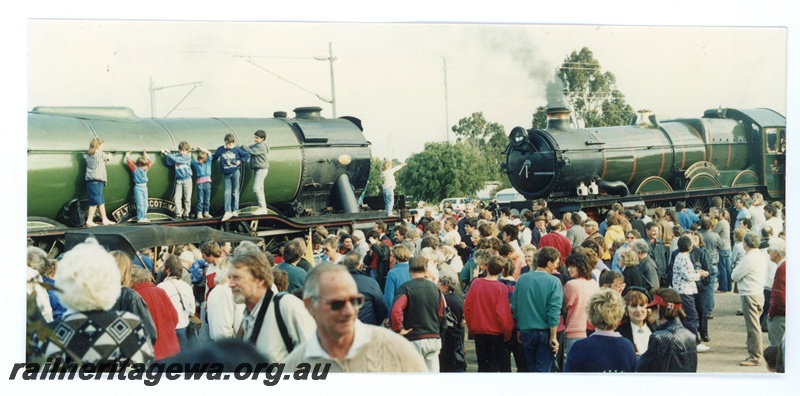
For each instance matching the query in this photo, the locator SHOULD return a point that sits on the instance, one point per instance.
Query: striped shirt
(96, 166)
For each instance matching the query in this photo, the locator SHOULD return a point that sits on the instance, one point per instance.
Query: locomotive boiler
(317, 165)
(724, 152)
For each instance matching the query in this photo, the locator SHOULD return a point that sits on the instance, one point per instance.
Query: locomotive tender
(725, 152)
(317, 166)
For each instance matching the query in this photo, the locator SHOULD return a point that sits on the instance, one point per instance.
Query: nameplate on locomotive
(155, 205)
(701, 167)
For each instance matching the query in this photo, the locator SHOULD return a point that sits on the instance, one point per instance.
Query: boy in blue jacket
(183, 179)
(231, 158)
(139, 170)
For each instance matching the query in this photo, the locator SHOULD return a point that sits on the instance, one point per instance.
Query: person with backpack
(275, 323)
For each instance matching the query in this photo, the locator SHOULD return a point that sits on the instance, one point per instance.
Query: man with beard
(274, 332)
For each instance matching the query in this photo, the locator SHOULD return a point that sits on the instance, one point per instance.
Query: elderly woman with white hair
(89, 284)
(436, 265)
(451, 257)
(223, 314)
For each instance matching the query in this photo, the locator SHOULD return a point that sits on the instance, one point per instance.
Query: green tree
(592, 94)
(488, 137)
(375, 184)
(444, 170)
(476, 128)
(539, 118)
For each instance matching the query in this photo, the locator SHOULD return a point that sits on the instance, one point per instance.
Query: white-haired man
(360, 243)
(331, 296)
(750, 275)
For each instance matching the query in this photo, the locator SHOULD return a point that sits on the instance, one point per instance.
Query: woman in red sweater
(487, 311)
(161, 309)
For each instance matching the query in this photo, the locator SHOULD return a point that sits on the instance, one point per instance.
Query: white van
(459, 204)
(508, 195)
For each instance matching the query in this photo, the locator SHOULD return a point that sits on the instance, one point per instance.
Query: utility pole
(153, 90)
(330, 59)
(446, 107)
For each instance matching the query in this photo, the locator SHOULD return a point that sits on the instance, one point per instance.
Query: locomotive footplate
(563, 205)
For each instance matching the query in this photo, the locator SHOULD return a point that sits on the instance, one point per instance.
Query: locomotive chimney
(312, 113)
(557, 109)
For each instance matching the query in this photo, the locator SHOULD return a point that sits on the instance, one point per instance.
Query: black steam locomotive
(725, 152)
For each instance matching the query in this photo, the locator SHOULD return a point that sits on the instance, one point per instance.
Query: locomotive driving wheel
(701, 203)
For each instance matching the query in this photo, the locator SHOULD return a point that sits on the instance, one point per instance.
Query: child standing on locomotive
(139, 170)
(203, 168)
(389, 183)
(231, 158)
(183, 178)
(96, 178)
(258, 161)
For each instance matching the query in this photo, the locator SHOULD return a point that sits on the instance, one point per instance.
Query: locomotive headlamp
(518, 137)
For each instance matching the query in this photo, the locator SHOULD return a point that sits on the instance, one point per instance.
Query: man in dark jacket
(378, 258)
(636, 223)
(374, 309)
(466, 247)
(658, 252)
(646, 264)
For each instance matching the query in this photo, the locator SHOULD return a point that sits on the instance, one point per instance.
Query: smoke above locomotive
(722, 152)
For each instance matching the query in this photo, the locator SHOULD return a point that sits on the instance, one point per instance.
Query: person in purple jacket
(231, 159)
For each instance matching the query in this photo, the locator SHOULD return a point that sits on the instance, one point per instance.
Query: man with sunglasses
(330, 246)
(348, 345)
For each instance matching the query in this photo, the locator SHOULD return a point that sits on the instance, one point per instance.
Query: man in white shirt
(451, 236)
(251, 283)
(773, 220)
(330, 246)
(750, 275)
(340, 340)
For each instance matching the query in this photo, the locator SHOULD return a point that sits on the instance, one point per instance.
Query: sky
(675, 58)
(408, 82)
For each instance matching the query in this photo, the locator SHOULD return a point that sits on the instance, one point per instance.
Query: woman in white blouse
(637, 324)
(182, 297)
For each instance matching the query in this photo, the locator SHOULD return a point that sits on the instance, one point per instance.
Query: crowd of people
(632, 293)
